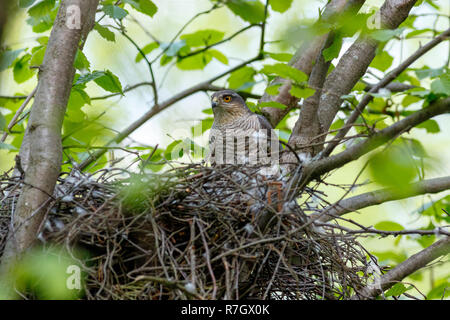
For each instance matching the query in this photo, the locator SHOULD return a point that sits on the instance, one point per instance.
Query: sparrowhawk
(239, 136)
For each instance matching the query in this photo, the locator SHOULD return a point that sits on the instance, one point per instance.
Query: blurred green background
(285, 31)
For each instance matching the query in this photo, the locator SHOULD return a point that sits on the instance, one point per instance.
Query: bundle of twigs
(194, 232)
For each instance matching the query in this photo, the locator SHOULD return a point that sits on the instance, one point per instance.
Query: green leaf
(240, 77)
(390, 256)
(427, 72)
(202, 38)
(145, 6)
(389, 226)
(105, 33)
(218, 55)
(415, 147)
(41, 8)
(8, 57)
(440, 291)
(195, 62)
(386, 34)
(333, 50)
(441, 85)
(426, 240)
(43, 40)
(285, 71)
(115, 12)
(202, 126)
(174, 47)
(89, 77)
(272, 104)
(336, 125)
(436, 209)
(273, 89)
(38, 56)
(409, 99)
(280, 5)
(393, 167)
(25, 3)
(396, 290)
(7, 146)
(382, 61)
(81, 62)
(430, 125)
(249, 10)
(165, 59)
(147, 49)
(282, 57)
(417, 32)
(109, 82)
(22, 71)
(301, 91)
(171, 154)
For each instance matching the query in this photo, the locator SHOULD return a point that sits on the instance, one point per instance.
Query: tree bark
(41, 150)
(304, 60)
(315, 169)
(354, 63)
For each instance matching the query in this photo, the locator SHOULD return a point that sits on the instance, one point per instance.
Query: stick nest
(194, 232)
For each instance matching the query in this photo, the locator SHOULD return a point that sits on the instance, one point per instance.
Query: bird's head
(229, 104)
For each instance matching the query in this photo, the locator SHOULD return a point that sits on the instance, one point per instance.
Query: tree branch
(203, 86)
(317, 168)
(404, 269)
(304, 60)
(383, 83)
(384, 195)
(355, 61)
(307, 128)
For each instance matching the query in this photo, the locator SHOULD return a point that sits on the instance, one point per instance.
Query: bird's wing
(264, 124)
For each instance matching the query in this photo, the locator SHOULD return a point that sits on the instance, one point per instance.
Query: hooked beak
(214, 102)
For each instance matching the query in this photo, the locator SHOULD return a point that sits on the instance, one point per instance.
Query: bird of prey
(239, 136)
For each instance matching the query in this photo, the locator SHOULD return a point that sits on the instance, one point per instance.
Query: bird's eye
(227, 99)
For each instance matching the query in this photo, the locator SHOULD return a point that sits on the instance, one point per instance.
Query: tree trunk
(41, 150)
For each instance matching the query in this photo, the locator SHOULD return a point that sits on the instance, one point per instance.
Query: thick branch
(304, 60)
(307, 126)
(384, 195)
(355, 61)
(383, 83)
(404, 269)
(315, 169)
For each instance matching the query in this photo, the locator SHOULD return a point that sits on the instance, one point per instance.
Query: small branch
(393, 87)
(383, 233)
(317, 168)
(128, 88)
(19, 111)
(193, 53)
(355, 61)
(383, 83)
(149, 64)
(404, 269)
(203, 86)
(214, 7)
(384, 195)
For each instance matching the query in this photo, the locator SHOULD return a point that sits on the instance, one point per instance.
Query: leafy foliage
(88, 125)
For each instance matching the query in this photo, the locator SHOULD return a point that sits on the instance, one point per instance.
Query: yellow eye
(227, 99)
